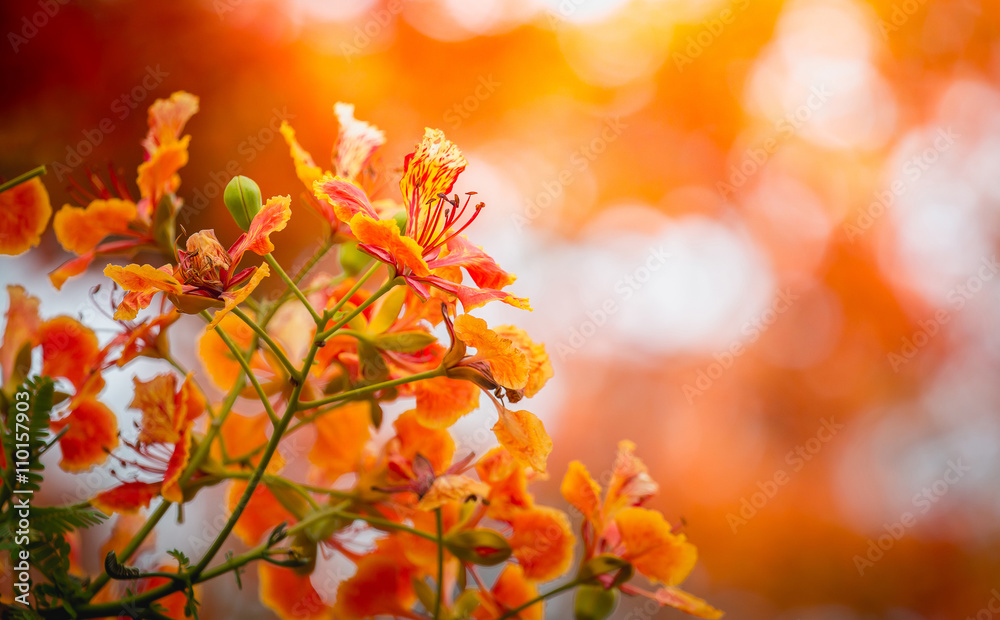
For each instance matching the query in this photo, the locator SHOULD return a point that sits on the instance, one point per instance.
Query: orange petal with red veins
(688, 603)
(384, 234)
(436, 445)
(542, 542)
(581, 491)
(155, 399)
(290, 594)
(80, 230)
(235, 298)
(70, 268)
(652, 547)
(262, 514)
(92, 433)
(430, 170)
(507, 362)
(511, 590)
(345, 196)
(305, 168)
(167, 117)
(357, 141)
(524, 436)
(171, 490)
(142, 282)
(216, 357)
(126, 498)
(341, 437)
(441, 401)
(272, 218)
(381, 586)
(69, 350)
(22, 328)
(24, 213)
(485, 271)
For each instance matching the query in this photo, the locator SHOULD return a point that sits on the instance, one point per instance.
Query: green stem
(312, 404)
(249, 375)
(27, 176)
(541, 597)
(354, 289)
(389, 284)
(275, 347)
(440, 549)
(132, 545)
(292, 286)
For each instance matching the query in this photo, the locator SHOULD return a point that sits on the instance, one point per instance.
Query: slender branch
(293, 287)
(249, 374)
(440, 575)
(132, 545)
(275, 347)
(27, 176)
(311, 404)
(389, 284)
(354, 289)
(541, 597)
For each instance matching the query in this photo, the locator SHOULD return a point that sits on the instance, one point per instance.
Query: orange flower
(542, 542)
(204, 277)
(24, 213)
(508, 484)
(357, 142)
(110, 221)
(524, 436)
(341, 438)
(164, 442)
(640, 536)
(21, 332)
(91, 433)
(432, 250)
(262, 513)
(382, 585)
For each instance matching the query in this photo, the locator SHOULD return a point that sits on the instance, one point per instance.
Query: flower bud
(594, 603)
(242, 198)
(480, 546)
(352, 259)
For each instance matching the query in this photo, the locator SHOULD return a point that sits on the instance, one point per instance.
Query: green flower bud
(352, 259)
(242, 198)
(594, 603)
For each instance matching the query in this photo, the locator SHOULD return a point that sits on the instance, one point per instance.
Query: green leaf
(405, 342)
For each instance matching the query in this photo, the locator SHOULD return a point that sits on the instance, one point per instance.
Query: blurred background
(759, 236)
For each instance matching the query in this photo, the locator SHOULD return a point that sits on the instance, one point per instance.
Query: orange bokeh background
(739, 224)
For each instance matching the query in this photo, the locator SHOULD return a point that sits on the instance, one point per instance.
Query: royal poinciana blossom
(325, 363)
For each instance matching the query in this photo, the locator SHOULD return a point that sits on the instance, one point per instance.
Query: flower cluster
(416, 518)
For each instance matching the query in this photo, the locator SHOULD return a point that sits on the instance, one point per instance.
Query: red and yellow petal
(158, 175)
(272, 218)
(431, 169)
(167, 117)
(235, 298)
(142, 282)
(441, 401)
(524, 436)
(508, 483)
(688, 603)
(542, 542)
(22, 329)
(70, 268)
(385, 235)
(652, 548)
(341, 437)
(305, 168)
(290, 594)
(91, 434)
(171, 489)
(539, 365)
(345, 196)
(80, 230)
(69, 350)
(357, 141)
(24, 213)
(155, 399)
(452, 488)
(126, 498)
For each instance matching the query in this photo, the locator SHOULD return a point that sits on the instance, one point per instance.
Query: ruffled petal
(24, 213)
(126, 498)
(523, 434)
(80, 230)
(235, 298)
(441, 401)
(272, 218)
(357, 142)
(345, 196)
(341, 437)
(542, 542)
(22, 328)
(290, 594)
(652, 547)
(91, 434)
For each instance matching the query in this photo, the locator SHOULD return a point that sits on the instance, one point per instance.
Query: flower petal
(652, 547)
(511, 590)
(291, 594)
(80, 230)
(357, 141)
(542, 542)
(305, 168)
(216, 357)
(142, 282)
(452, 488)
(69, 350)
(507, 362)
(91, 435)
(155, 399)
(341, 437)
(413, 438)
(441, 401)
(235, 298)
(158, 175)
(167, 117)
(381, 586)
(271, 218)
(345, 196)
(262, 513)
(582, 492)
(126, 498)
(523, 434)
(539, 366)
(24, 213)
(688, 603)
(70, 268)
(171, 489)
(385, 235)
(509, 493)
(22, 329)
(429, 170)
